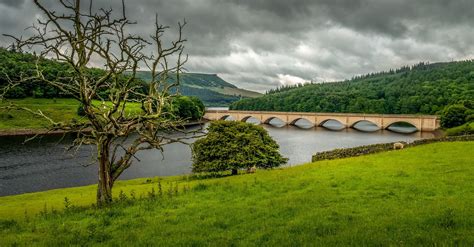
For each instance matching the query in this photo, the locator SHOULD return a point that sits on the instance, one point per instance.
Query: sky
(262, 44)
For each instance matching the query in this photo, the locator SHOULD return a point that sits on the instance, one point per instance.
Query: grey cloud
(12, 3)
(251, 42)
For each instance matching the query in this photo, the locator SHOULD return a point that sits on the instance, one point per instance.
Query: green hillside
(210, 88)
(423, 88)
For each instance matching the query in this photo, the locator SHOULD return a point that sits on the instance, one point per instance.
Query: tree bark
(104, 187)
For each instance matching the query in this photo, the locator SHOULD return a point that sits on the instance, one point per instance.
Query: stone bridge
(348, 120)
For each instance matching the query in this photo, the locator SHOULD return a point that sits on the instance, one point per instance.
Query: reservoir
(44, 164)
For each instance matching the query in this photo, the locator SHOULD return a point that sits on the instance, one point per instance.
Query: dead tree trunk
(105, 183)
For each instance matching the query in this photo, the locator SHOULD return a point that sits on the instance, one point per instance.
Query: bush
(188, 108)
(454, 115)
(470, 118)
(235, 145)
(80, 110)
(16, 93)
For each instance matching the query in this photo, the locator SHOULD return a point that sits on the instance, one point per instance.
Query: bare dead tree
(79, 36)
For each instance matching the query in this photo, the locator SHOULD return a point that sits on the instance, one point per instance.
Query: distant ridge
(210, 88)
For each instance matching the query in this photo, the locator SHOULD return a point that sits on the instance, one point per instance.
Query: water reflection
(252, 120)
(332, 124)
(228, 118)
(402, 127)
(303, 124)
(276, 122)
(365, 126)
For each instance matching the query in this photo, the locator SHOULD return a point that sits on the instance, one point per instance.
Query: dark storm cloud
(261, 44)
(12, 3)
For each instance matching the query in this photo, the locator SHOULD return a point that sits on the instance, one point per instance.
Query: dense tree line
(423, 88)
(16, 66)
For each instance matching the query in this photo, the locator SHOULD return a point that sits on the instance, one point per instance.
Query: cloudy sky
(261, 44)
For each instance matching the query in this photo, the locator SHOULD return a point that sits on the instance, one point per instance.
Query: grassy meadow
(465, 129)
(416, 197)
(64, 110)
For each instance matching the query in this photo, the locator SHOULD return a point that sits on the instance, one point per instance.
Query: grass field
(57, 109)
(420, 196)
(465, 129)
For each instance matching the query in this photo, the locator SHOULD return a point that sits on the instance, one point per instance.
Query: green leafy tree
(188, 108)
(235, 145)
(454, 115)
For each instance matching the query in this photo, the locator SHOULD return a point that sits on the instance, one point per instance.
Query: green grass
(417, 196)
(465, 129)
(61, 110)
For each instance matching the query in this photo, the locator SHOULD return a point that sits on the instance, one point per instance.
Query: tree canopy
(233, 145)
(456, 115)
(188, 108)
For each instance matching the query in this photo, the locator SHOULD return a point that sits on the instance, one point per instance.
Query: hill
(423, 88)
(210, 88)
(415, 197)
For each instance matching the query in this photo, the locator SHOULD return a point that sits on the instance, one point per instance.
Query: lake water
(43, 163)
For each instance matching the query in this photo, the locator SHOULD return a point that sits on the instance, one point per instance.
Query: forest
(420, 89)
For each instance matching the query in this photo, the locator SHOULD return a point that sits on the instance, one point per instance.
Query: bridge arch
(311, 123)
(373, 127)
(246, 118)
(269, 119)
(409, 125)
(227, 117)
(293, 122)
(325, 121)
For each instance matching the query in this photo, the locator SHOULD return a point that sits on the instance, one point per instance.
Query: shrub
(188, 108)
(235, 145)
(453, 115)
(80, 110)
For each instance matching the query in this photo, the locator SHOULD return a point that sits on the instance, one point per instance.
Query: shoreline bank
(32, 132)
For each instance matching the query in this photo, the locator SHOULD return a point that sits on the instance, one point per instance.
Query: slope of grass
(418, 196)
(465, 129)
(64, 110)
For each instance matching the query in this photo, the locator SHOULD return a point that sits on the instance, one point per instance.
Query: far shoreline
(19, 132)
